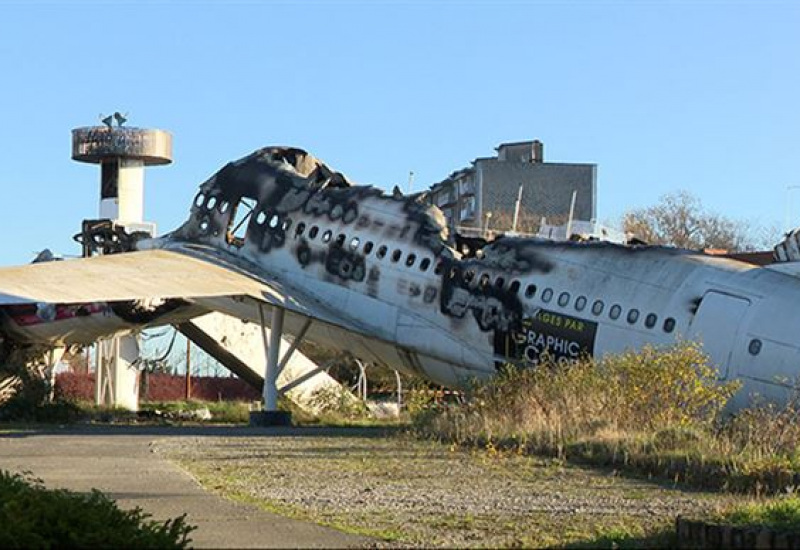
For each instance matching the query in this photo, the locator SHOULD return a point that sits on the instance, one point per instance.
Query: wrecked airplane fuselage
(378, 276)
(405, 297)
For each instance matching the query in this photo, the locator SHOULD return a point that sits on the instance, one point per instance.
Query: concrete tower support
(122, 154)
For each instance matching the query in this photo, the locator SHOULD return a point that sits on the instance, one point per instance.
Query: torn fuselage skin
(386, 264)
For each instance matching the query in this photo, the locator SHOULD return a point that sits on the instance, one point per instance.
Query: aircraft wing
(149, 274)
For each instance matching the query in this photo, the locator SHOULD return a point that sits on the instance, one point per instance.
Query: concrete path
(119, 462)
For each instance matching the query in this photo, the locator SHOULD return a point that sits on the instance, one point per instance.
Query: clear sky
(662, 96)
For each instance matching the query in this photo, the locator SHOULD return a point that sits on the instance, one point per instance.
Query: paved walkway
(119, 462)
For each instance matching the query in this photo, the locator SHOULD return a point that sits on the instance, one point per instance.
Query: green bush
(34, 517)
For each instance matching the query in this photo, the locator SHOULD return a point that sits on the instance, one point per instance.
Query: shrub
(34, 517)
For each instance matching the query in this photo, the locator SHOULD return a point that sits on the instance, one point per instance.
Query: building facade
(483, 196)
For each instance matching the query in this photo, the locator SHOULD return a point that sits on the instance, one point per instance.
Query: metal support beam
(273, 356)
(271, 416)
(297, 341)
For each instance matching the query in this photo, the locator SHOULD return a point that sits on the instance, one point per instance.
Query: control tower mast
(122, 153)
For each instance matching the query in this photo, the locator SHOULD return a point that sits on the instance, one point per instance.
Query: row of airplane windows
(469, 276)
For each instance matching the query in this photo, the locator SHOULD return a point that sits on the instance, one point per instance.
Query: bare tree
(680, 220)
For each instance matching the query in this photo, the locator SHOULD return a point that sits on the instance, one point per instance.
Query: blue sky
(662, 96)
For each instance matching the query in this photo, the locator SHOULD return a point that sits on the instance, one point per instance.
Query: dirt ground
(408, 492)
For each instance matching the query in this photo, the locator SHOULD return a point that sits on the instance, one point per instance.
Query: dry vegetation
(657, 411)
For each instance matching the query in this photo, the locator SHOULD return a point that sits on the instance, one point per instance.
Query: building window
(467, 209)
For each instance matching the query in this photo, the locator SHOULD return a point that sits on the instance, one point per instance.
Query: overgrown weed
(658, 411)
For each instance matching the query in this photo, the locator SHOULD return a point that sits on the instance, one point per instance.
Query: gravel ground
(410, 492)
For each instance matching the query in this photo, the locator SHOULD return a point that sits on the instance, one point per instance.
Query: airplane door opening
(717, 325)
(239, 220)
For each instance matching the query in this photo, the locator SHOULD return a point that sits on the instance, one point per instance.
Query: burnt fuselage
(404, 297)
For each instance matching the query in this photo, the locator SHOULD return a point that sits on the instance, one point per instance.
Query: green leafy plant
(34, 517)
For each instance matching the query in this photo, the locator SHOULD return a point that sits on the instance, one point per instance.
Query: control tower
(122, 153)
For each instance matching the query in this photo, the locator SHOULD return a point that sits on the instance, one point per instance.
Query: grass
(782, 514)
(400, 489)
(657, 412)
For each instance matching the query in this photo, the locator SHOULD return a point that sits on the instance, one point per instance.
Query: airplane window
(340, 239)
(580, 303)
(212, 202)
(669, 324)
(299, 229)
(261, 218)
(597, 307)
(223, 206)
(411, 259)
(368, 247)
(513, 288)
(326, 237)
(439, 267)
(547, 294)
(615, 311)
(242, 215)
(287, 223)
(499, 282)
(484, 280)
(273, 221)
(563, 299)
(755, 346)
(396, 255)
(530, 290)
(424, 264)
(199, 200)
(354, 243)
(650, 320)
(381, 252)
(312, 233)
(468, 275)
(633, 316)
